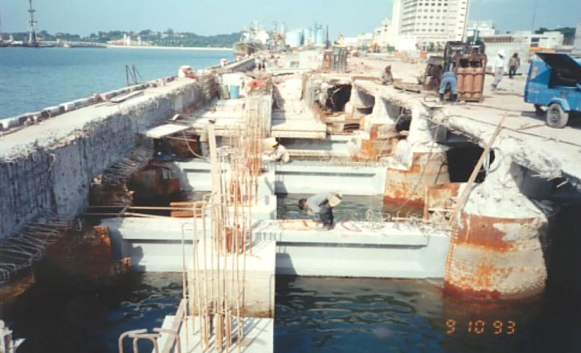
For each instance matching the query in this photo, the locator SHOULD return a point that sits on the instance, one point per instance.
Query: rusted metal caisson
(496, 250)
(407, 184)
(494, 257)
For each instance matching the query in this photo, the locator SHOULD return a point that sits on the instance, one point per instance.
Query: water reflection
(367, 315)
(84, 317)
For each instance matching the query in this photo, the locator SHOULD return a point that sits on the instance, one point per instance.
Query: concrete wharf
(483, 232)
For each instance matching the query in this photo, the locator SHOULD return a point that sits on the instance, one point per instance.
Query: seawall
(48, 166)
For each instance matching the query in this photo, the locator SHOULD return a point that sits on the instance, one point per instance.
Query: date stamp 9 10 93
(479, 327)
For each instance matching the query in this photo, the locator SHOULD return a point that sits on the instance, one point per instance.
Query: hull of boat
(247, 48)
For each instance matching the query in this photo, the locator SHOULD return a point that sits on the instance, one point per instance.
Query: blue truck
(554, 82)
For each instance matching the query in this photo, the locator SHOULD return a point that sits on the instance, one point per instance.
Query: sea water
(325, 314)
(36, 78)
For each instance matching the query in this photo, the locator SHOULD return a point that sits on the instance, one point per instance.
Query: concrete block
(389, 250)
(259, 277)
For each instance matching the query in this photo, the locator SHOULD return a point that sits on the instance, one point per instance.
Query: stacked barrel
(471, 78)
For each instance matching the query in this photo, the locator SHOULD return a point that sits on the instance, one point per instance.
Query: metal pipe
(126, 334)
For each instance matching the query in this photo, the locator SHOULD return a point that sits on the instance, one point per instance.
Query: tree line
(168, 38)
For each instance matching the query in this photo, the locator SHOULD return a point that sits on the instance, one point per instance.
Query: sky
(205, 17)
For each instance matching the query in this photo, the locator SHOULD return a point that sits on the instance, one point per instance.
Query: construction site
(469, 190)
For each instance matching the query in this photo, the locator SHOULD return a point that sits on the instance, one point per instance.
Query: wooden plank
(467, 189)
(176, 326)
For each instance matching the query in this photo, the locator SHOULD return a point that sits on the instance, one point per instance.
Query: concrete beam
(358, 249)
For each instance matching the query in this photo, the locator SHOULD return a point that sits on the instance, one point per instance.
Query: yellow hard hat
(271, 141)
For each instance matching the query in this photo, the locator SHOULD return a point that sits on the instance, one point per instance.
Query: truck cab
(554, 82)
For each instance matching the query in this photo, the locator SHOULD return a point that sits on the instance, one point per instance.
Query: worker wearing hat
(498, 67)
(323, 204)
(204, 139)
(278, 152)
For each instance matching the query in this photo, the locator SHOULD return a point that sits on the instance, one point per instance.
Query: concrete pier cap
(496, 249)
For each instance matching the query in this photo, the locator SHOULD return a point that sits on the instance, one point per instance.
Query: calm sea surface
(32, 79)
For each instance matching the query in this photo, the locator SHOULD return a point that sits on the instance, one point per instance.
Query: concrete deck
(68, 126)
(531, 143)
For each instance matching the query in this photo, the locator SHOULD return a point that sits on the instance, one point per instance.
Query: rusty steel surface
(110, 194)
(157, 179)
(409, 185)
(440, 201)
(86, 256)
(496, 258)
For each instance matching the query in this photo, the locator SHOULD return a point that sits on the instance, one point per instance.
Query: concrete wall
(296, 177)
(49, 166)
(358, 249)
(355, 249)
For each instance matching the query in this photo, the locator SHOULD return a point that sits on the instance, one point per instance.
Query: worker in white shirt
(322, 204)
(204, 143)
(498, 67)
(278, 152)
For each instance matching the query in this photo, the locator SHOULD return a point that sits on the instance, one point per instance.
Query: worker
(204, 139)
(279, 153)
(449, 79)
(498, 67)
(323, 204)
(258, 63)
(186, 71)
(513, 65)
(387, 77)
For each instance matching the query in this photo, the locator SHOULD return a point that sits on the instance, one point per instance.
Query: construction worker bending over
(278, 152)
(323, 204)
(449, 78)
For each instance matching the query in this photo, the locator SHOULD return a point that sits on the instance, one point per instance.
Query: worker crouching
(322, 204)
(277, 153)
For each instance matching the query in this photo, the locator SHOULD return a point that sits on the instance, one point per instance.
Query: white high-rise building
(431, 21)
(395, 22)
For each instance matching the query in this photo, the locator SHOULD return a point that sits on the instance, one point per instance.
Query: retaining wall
(49, 166)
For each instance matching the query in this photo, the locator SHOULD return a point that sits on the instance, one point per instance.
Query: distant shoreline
(165, 48)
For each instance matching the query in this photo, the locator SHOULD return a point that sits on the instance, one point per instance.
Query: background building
(484, 28)
(431, 21)
(525, 43)
(577, 43)
(382, 34)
